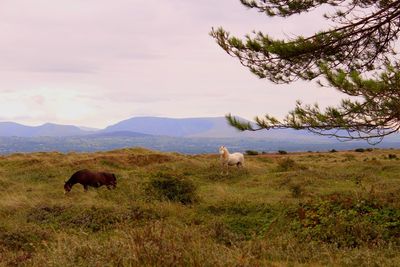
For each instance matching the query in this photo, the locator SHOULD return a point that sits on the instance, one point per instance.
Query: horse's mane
(225, 155)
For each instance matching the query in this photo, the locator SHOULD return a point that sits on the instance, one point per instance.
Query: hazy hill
(47, 129)
(214, 127)
(116, 134)
(167, 126)
(217, 127)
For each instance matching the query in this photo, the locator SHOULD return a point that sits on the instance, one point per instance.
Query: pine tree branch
(362, 45)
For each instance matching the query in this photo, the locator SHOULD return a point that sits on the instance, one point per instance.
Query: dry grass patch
(307, 209)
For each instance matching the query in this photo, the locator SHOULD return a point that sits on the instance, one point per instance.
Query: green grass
(296, 209)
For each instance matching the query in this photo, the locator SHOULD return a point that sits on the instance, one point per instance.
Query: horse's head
(222, 150)
(67, 187)
(113, 181)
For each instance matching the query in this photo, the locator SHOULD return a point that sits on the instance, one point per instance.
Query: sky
(96, 62)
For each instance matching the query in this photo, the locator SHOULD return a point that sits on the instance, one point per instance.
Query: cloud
(95, 62)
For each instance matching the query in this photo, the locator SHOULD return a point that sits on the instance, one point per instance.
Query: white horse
(230, 159)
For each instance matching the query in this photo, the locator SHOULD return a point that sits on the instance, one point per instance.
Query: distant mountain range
(214, 127)
(190, 127)
(48, 129)
(190, 135)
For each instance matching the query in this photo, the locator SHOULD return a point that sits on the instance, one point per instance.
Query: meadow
(169, 209)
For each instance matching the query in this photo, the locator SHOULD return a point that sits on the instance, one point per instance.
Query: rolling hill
(47, 129)
(212, 127)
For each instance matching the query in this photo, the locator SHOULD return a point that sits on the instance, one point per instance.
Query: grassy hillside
(169, 209)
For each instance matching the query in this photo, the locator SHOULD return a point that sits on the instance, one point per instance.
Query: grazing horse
(230, 159)
(88, 178)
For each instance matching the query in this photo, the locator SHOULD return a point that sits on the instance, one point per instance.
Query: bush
(287, 164)
(172, 187)
(26, 239)
(359, 150)
(89, 218)
(244, 219)
(282, 152)
(392, 156)
(348, 157)
(222, 234)
(297, 190)
(333, 150)
(346, 221)
(251, 152)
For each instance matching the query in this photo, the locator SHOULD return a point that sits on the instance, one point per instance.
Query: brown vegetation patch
(143, 160)
(25, 239)
(345, 220)
(124, 160)
(92, 218)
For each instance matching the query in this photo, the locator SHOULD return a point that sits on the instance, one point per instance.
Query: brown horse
(88, 178)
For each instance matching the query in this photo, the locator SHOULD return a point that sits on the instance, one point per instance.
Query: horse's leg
(224, 168)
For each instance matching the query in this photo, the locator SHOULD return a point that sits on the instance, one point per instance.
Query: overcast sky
(96, 62)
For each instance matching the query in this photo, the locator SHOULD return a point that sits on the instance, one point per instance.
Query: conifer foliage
(357, 57)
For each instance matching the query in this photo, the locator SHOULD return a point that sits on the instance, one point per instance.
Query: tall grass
(169, 209)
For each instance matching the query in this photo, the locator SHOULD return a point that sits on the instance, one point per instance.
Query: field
(297, 209)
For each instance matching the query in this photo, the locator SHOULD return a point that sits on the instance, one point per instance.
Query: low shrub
(288, 164)
(96, 219)
(346, 221)
(392, 156)
(251, 152)
(216, 172)
(348, 157)
(172, 187)
(297, 190)
(25, 239)
(45, 214)
(139, 213)
(92, 219)
(222, 234)
(244, 219)
(359, 150)
(282, 152)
